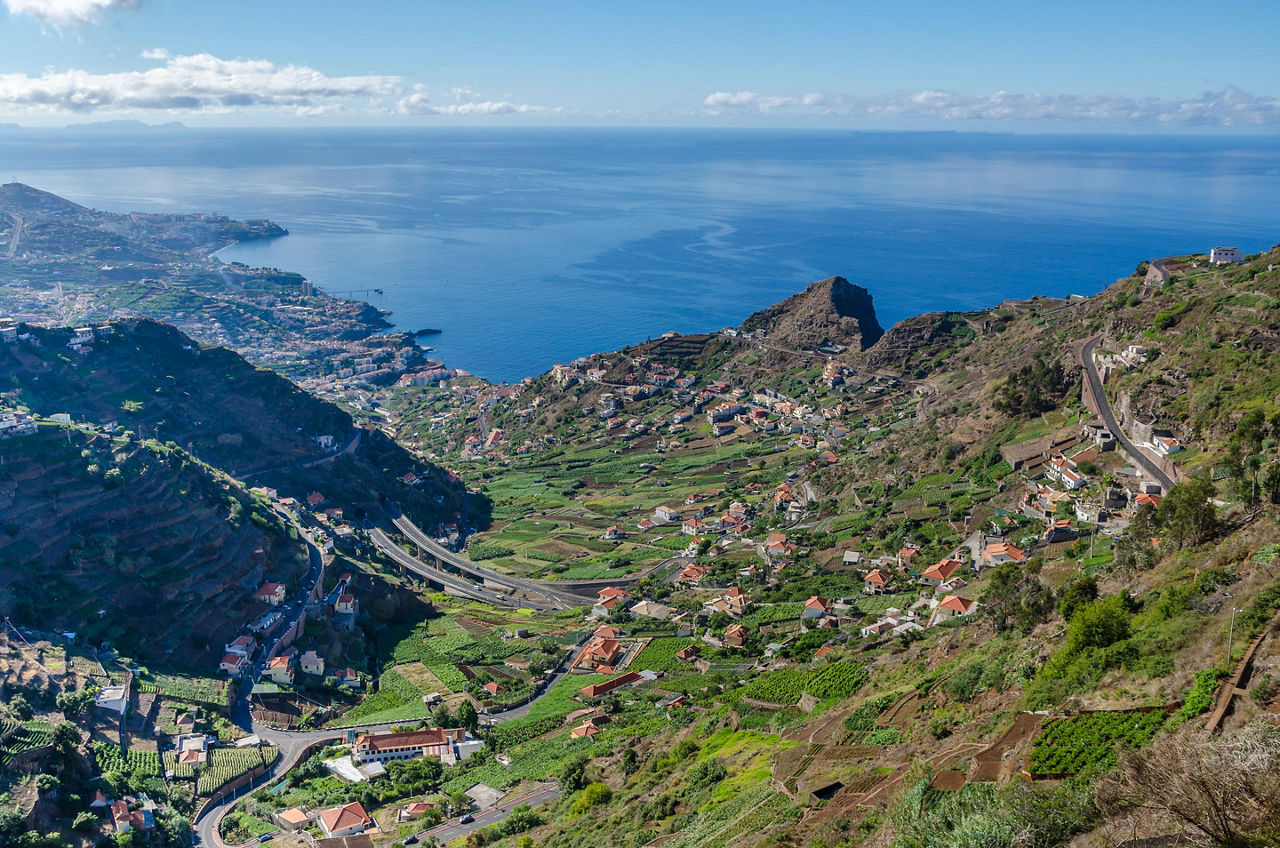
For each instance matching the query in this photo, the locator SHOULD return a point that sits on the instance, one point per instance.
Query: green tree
(467, 716)
(1078, 593)
(66, 738)
(1186, 514)
(574, 774)
(21, 708)
(440, 715)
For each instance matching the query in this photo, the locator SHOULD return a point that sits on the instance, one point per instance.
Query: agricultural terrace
(1088, 741)
(457, 651)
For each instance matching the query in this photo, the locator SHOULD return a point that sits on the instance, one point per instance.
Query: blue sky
(983, 64)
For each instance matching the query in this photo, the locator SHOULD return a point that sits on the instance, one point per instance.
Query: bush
(1200, 698)
(884, 736)
(592, 795)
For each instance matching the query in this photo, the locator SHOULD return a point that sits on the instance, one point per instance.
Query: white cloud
(199, 83)
(419, 103)
(67, 13)
(1229, 107)
(723, 100)
(206, 84)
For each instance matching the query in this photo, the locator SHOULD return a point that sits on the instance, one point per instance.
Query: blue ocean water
(530, 247)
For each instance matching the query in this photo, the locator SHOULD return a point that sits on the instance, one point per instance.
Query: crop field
(835, 680)
(226, 764)
(192, 690)
(1076, 744)
(660, 655)
(773, 613)
(32, 734)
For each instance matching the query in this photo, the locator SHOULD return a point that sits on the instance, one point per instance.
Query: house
(666, 513)
(1001, 552)
(294, 818)
(676, 701)
(605, 605)
(615, 532)
(100, 800)
(876, 582)
(1165, 445)
(649, 609)
(907, 555)
(348, 677)
(1064, 470)
(315, 499)
(493, 688)
(692, 527)
(244, 646)
(590, 727)
(347, 820)
(688, 653)
(599, 654)
(233, 664)
(311, 663)
(952, 606)
(114, 698)
(270, 593)
(1225, 256)
(345, 604)
(447, 745)
(1143, 499)
(893, 622)
(939, 572)
(1060, 531)
(816, 607)
(280, 670)
(735, 635)
(851, 557)
(596, 691)
(824, 651)
(644, 525)
(692, 574)
(412, 811)
(120, 817)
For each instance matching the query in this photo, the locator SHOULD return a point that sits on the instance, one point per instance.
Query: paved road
(1108, 417)
(446, 833)
(17, 234)
(557, 597)
(452, 582)
(292, 744)
(349, 446)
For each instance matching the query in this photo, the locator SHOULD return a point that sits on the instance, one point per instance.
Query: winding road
(1093, 386)
(294, 743)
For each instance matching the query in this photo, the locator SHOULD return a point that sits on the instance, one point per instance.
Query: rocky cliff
(831, 310)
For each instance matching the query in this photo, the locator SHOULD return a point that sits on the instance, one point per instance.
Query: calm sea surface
(530, 247)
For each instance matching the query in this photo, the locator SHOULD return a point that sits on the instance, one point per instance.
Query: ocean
(528, 247)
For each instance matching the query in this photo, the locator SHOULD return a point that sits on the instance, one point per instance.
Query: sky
(1117, 66)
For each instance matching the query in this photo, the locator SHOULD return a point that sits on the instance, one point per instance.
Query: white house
(1225, 256)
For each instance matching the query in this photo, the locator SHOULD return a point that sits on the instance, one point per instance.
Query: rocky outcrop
(829, 311)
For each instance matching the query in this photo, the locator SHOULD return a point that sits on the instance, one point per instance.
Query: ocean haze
(529, 247)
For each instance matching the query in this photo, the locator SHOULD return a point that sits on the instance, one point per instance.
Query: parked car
(467, 819)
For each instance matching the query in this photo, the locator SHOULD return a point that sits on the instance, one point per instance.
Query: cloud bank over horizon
(1229, 107)
(205, 84)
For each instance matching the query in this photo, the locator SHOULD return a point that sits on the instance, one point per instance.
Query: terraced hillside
(154, 381)
(133, 542)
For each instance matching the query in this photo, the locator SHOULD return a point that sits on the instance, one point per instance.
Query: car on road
(411, 839)
(467, 819)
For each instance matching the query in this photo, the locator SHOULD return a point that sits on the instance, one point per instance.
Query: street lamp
(1231, 632)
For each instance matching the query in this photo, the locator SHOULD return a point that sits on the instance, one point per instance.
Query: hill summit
(828, 311)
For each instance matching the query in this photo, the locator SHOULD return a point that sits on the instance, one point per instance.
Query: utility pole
(1231, 632)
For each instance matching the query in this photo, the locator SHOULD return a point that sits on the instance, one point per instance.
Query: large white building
(1225, 256)
(448, 746)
